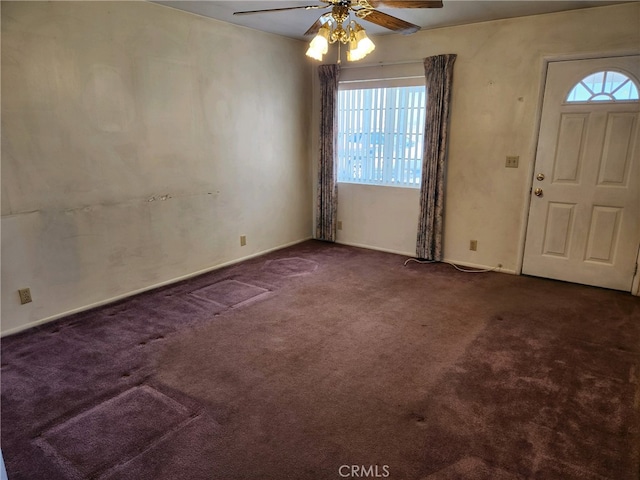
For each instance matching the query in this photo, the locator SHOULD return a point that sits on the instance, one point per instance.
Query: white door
(584, 218)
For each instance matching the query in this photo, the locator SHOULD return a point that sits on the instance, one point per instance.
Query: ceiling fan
(329, 27)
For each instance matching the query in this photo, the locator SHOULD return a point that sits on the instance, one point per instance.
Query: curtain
(327, 201)
(439, 78)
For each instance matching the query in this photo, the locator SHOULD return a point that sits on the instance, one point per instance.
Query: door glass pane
(606, 86)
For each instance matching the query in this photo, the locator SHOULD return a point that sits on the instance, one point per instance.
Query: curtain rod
(408, 77)
(391, 64)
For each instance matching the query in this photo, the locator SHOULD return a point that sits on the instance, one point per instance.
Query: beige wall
(496, 95)
(383, 218)
(138, 144)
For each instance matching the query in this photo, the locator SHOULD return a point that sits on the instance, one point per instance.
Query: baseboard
(145, 289)
(379, 249)
(479, 266)
(447, 260)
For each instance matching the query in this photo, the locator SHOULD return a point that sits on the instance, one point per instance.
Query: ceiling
(294, 23)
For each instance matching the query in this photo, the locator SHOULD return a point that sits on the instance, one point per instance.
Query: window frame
(411, 182)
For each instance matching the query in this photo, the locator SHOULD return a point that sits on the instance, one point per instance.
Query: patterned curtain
(327, 203)
(439, 76)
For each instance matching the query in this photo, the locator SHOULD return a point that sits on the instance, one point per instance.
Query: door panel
(570, 147)
(603, 234)
(584, 216)
(558, 229)
(618, 147)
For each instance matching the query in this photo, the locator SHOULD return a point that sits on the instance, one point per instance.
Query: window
(604, 87)
(381, 135)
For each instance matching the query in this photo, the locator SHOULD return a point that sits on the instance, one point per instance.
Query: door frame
(533, 148)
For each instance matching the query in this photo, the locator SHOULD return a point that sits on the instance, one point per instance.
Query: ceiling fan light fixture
(320, 44)
(315, 54)
(360, 45)
(329, 27)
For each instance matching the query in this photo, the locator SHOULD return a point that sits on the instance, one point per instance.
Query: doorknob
(540, 176)
(538, 192)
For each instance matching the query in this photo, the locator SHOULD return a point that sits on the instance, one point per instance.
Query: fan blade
(305, 7)
(405, 4)
(313, 29)
(387, 21)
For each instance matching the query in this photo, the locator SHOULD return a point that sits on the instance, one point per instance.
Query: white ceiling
(294, 23)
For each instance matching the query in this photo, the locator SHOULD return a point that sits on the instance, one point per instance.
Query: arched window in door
(606, 86)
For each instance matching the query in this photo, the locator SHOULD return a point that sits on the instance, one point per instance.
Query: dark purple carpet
(319, 356)
(124, 426)
(230, 293)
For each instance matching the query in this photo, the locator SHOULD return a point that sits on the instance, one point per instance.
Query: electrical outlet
(25, 295)
(243, 240)
(339, 224)
(512, 162)
(473, 245)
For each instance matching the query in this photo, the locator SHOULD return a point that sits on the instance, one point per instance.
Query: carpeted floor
(323, 361)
